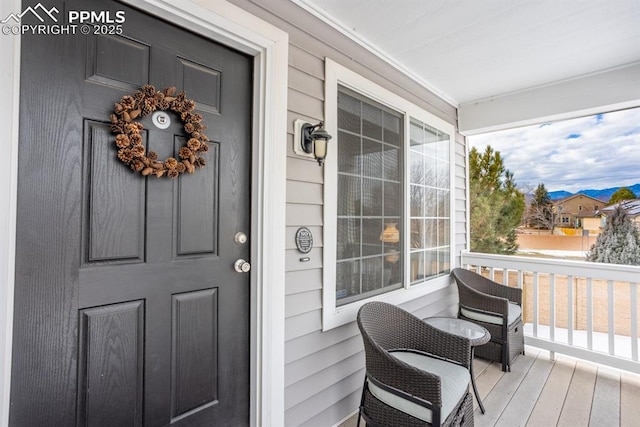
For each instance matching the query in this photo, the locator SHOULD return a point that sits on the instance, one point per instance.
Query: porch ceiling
(469, 51)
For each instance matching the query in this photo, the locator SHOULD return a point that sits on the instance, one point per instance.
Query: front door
(128, 309)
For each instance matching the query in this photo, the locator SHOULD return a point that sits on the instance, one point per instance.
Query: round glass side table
(476, 334)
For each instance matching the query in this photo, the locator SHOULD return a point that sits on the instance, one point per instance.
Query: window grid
(353, 285)
(429, 256)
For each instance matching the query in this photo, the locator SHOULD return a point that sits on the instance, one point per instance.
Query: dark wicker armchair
(496, 307)
(416, 375)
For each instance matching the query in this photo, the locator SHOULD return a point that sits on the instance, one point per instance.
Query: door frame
(225, 23)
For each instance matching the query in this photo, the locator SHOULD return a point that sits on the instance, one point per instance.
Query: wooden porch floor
(564, 392)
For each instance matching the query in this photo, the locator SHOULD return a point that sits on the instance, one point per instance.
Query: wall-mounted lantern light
(311, 139)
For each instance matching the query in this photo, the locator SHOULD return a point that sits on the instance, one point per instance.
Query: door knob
(242, 266)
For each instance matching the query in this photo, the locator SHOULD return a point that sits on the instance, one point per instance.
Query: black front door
(128, 310)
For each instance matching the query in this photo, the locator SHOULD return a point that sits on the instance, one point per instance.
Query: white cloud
(589, 152)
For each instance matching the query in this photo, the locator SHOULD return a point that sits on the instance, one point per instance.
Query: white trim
(347, 418)
(9, 124)
(610, 90)
(583, 354)
(467, 202)
(335, 74)
(225, 23)
(334, 23)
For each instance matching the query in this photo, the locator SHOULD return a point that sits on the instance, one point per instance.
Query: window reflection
(429, 193)
(369, 198)
(371, 256)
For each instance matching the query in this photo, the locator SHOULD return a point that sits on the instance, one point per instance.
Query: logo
(77, 21)
(93, 17)
(32, 10)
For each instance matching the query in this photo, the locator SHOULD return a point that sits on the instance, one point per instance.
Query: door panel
(111, 350)
(195, 349)
(128, 309)
(197, 209)
(117, 61)
(114, 221)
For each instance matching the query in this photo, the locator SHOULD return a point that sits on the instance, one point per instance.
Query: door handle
(242, 266)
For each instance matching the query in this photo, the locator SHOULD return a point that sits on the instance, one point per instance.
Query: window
(579, 207)
(429, 201)
(388, 228)
(370, 154)
(595, 207)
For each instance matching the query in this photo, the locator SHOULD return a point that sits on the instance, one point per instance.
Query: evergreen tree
(621, 194)
(541, 195)
(619, 242)
(541, 209)
(496, 203)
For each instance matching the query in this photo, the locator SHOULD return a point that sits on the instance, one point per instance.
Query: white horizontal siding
(304, 192)
(302, 368)
(301, 303)
(303, 324)
(338, 409)
(317, 341)
(301, 391)
(461, 194)
(303, 215)
(298, 168)
(315, 411)
(295, 261)
(303, 82)
(324, 370)
(303, 281)
(306, 105)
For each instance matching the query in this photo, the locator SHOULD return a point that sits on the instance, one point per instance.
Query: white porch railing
(582, 309)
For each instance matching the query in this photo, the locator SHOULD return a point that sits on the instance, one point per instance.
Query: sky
(593, 152)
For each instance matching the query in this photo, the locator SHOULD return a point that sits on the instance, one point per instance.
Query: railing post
(612, 336)
(521, 279)
(570, 310)
(535, 303)
(589, 313)
(552, 312)
(633, 298)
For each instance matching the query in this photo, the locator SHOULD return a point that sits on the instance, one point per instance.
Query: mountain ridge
(604, 194)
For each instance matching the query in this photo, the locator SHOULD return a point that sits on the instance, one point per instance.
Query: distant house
(573, 210)
(631, 207)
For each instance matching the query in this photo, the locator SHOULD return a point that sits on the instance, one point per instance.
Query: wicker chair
(496, 307)
(416, 375)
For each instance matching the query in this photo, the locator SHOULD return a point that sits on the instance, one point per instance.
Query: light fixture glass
(320, 149)
(314, 140)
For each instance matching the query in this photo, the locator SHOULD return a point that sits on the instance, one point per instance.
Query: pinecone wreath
(129, 140)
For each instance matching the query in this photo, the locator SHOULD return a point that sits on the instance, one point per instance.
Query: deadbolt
(161, 119)
(240, 238)
(242, 266)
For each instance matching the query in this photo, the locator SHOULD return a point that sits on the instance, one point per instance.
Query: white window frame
(335, 75)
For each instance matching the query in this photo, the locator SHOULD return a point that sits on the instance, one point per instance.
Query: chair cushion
(454, 380)
(515, 311)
